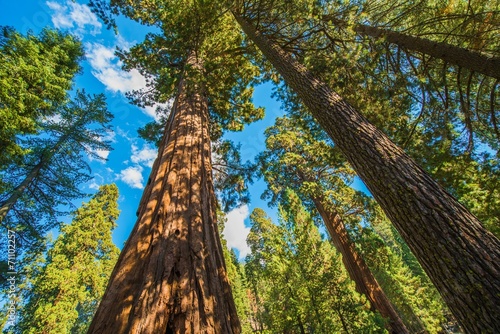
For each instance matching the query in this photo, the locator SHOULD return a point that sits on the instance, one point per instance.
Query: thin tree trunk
(45, 158)
(19, 190)
(472, 60)
(460, 256)
(170, 276)
(359, 272)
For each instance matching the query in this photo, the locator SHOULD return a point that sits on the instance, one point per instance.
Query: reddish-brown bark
(170, 276)
(460, 256)
(357, 269)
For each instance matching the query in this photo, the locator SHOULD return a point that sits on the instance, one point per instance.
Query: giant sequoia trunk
(460, 256)
(357, 269)
(170, 276)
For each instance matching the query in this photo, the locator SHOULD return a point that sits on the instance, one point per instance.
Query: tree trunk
(460, 256)
(472, 60)
(170, 276)
(45, 158)
(19, 190)
(357, 269)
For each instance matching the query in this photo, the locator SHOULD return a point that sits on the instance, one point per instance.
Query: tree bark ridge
(171, 276)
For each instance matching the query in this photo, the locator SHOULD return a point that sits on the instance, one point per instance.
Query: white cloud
(151, 110)
(94, 185)
(132, 176)
(75, 17)
(123, 133)
(106, 67)
(103, 154)
(235, 231)
(146, 155)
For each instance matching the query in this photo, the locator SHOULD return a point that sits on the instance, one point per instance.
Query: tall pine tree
(62, 296)
(35, 74)
(430, 220)
(49, 175)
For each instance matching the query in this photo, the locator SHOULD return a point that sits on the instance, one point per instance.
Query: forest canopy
(381, 172)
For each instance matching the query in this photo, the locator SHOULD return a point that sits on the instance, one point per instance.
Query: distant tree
(408, 288)
(50, 173)
(62, 294)
(299, 155)
(301, 286)
(35, 74)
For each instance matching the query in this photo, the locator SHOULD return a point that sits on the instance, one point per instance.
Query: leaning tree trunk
(460, 256)
(45, 158)
(170, 276)
(19, 190)
(462, 57)
(357, 269)
(472, 60)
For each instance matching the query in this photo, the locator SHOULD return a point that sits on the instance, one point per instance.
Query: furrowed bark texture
(171, 276)
(357, 269)
(460, 256)
(455, 55)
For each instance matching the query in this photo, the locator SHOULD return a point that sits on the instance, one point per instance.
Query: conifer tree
(35, 74)
(171, 276)
(49, 175)
(430, 220)
(298, 155)
(62, 295)
(443, 115)
(302, 286)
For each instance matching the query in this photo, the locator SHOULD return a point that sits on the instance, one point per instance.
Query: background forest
(364, 135)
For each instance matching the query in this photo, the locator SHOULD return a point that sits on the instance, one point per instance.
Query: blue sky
(129, 162)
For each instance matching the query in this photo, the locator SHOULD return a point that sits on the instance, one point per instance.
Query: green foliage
(35, 74)
(205, 28)
(231, 175)
(297, 280)
(55, 165)
(62, 291)
(297, 157)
